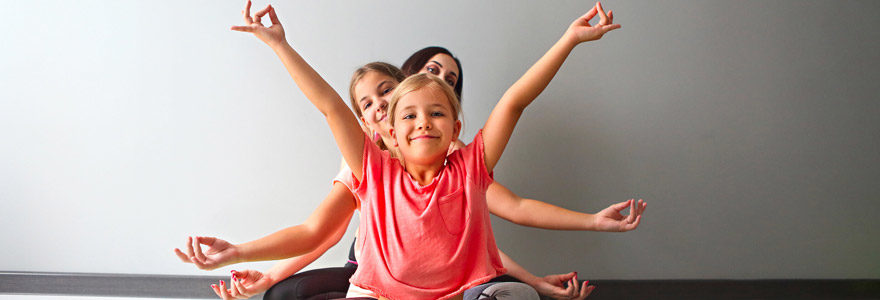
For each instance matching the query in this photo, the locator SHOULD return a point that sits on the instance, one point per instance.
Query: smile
(423, 137)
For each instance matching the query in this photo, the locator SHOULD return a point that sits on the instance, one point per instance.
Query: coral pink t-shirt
(425, 242)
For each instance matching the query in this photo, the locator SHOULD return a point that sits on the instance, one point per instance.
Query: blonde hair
(417, 82)
(376, 66)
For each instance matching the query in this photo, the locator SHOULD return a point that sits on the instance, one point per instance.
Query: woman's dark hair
(417, 61)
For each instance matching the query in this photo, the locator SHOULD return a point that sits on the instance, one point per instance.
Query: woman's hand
(220, 253)
(272, 35)
(610, 219)
(555, 286)
(245, 284)
(581, 30)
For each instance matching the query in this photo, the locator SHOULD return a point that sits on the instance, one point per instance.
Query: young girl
(307, 92)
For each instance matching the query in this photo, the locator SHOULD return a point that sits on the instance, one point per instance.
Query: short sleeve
(345, 177)
(475, 159)
(374, 162)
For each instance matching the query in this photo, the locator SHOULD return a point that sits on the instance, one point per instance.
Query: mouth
(382, 118)
(423, 137)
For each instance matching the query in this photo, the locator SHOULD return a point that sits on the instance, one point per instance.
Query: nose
(423, 124)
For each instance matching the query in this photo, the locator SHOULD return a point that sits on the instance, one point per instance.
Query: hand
(245, 284)
(610, 219)
(581, 31)
(272, 35)
(220, 253)
(554, 286)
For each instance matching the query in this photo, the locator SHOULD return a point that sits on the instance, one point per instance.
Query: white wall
(749, 126)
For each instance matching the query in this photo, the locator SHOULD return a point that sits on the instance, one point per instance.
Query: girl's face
(425, 125)
(443, 66)
(373, 92)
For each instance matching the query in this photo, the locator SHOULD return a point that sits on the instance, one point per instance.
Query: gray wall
(750, 127)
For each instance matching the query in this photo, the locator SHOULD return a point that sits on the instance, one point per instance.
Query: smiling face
(372, 94)
(425, 124)
(442, 65)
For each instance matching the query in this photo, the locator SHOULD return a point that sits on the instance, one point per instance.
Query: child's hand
(245, 284)
(581, 31)
(610, 219)
(555, 286)
(220, 253)
(272, 35)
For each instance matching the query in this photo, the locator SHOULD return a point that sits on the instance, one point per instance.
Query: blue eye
(408, 116)
(437, 114)
(386, 91)
(367, 105)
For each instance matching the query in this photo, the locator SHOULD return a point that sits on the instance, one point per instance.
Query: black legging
(318, 284)
(327, 283)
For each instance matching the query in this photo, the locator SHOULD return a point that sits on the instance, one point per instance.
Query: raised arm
(533, 213)
(346, 130)
(502, 120)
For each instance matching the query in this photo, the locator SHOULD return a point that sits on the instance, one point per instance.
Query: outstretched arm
(502, 120)
(247, 283)
(550, 285)
(348, 134)
(529, 212)
(334, 212)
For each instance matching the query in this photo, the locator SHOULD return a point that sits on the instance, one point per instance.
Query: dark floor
(196, 287)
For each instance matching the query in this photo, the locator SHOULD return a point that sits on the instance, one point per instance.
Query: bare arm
(334, 212)
(551, 285)
(346, 130)
(505, 115)
(533, 213)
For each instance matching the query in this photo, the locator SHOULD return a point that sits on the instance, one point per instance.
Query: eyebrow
(380, 85)
(413, 106)
(441, 65)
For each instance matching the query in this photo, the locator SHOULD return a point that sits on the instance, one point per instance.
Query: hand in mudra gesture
(271, 35)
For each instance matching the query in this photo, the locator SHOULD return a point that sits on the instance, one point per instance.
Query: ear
(394, 137)
(456, 130)
(364, 126)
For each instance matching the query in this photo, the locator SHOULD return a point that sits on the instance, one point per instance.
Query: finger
(216, 289)
(189, 248)
(603, 18)
(243, 290)
(259, 16)
(576, 288)
(207, 240)
(569, 290)
(607, 28)
(589, 15)
(234, 288)
(199, 254)
(247, 13)
(610, 17)
(274, 17)
(198, 264)
(224, 293)
(243, 28)
(620, 206)
(632, 211)
(586, 290)
(181, 255)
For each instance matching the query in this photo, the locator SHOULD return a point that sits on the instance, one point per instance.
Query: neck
(424, 173)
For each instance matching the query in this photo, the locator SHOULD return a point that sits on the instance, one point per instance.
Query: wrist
(279, 46)
(569, 39)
